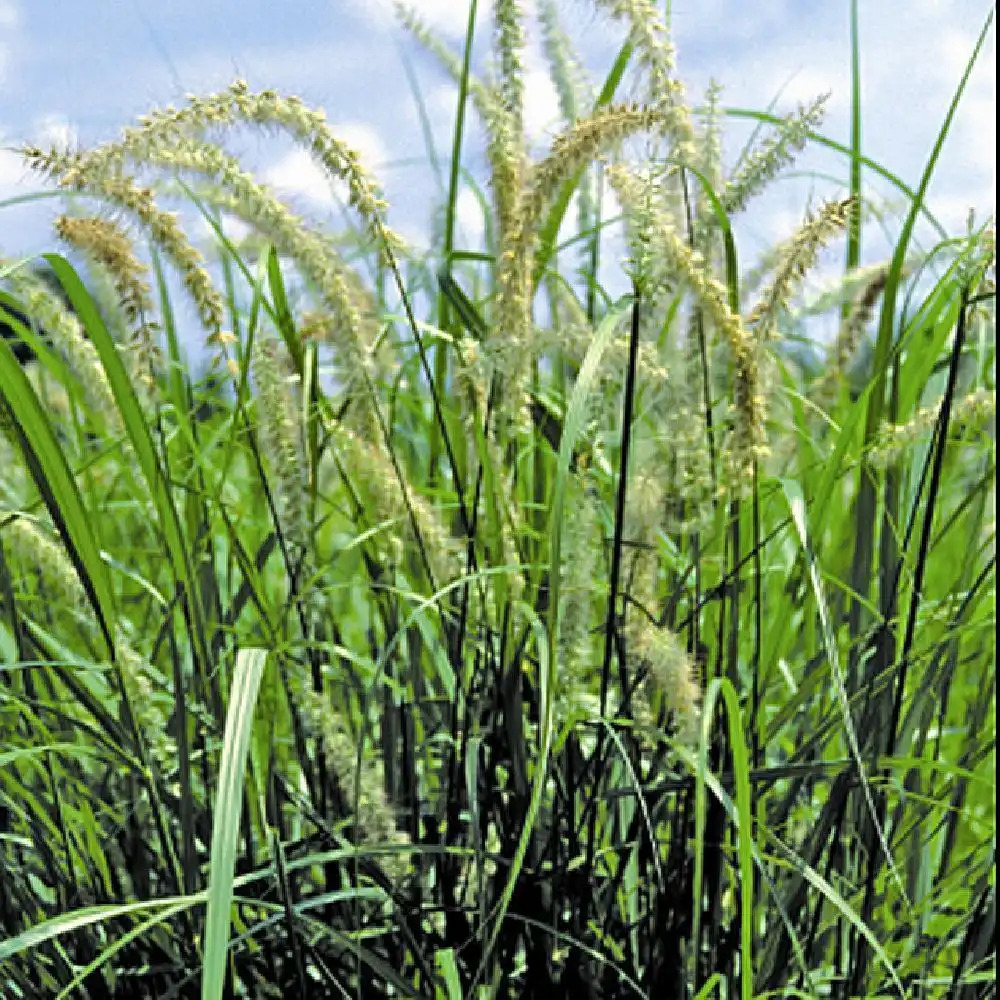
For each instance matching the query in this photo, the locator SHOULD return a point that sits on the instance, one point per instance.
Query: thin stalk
(455, 167)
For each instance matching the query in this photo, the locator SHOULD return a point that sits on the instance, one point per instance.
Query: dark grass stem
(611, 622)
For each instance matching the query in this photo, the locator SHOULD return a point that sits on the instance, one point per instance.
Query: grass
(472, 631)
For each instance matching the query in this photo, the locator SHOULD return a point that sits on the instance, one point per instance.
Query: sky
(77, 72)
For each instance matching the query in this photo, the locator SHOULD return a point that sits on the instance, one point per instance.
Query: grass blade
(226, 823)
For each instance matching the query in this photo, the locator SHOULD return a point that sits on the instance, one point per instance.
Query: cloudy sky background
(72, 71)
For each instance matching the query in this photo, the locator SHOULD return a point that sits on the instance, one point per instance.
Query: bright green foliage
(469, 631)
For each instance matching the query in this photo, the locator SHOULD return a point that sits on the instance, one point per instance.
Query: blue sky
(79, 71)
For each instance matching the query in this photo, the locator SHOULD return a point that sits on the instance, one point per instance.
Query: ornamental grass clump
(552, 617)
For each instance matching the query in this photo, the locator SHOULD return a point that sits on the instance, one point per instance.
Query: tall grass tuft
(519, 639)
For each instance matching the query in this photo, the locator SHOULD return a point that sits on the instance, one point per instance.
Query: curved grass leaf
(50, 472)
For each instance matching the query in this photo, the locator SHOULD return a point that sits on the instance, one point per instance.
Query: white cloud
(978, 134)
(12, 170)
(365, 140)
(808, 83)
(541, 105)
(10, 16)
(952, 210)
(470, 217)
(235, 229)
(446, 18)
(55, 130)
(954, 48)
(308, 66)
(15, 177)
(441, 102)
(297, 173)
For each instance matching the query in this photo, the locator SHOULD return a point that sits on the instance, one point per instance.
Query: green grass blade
(140, 437)
(26, 416)
(572, 430)
(722, 687)
(445, 962)
(226, 821)
(66, 923)
(796, 506)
